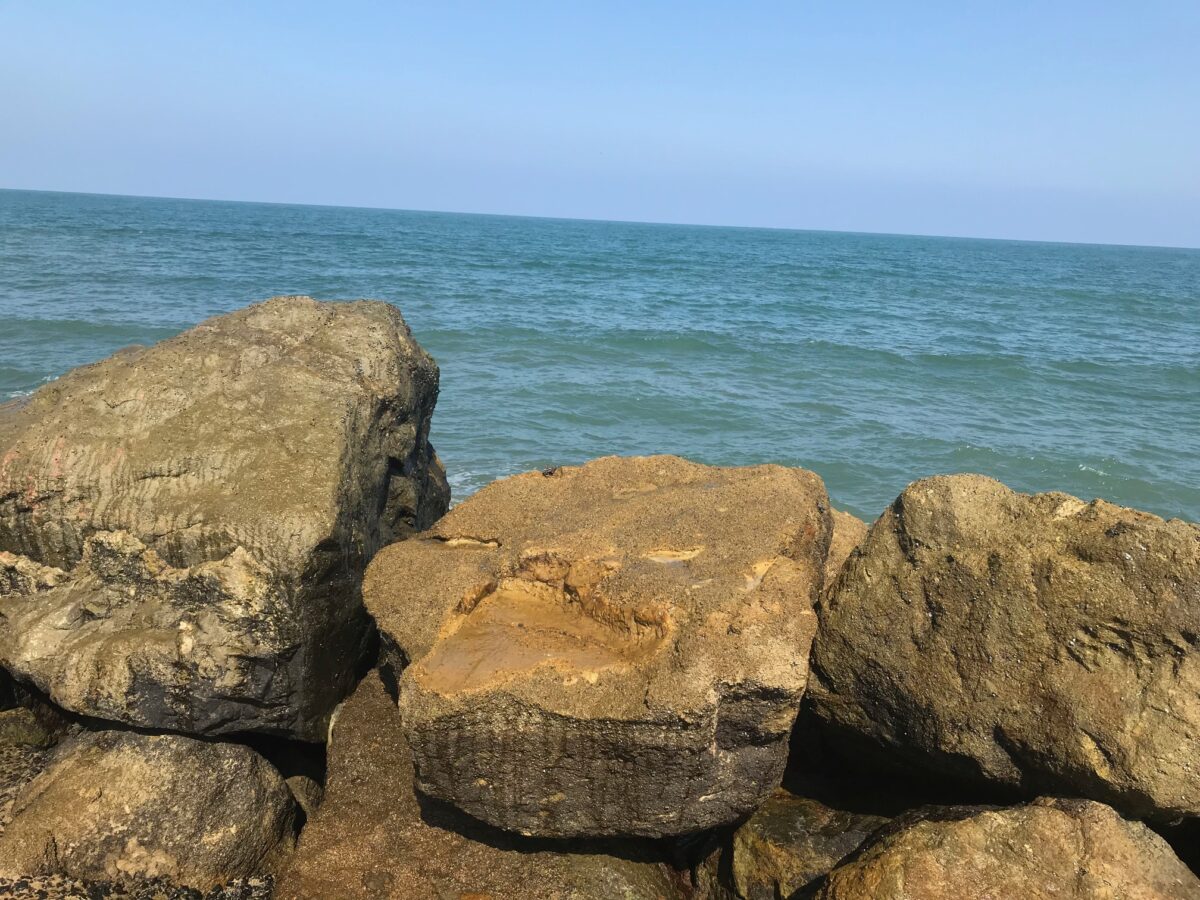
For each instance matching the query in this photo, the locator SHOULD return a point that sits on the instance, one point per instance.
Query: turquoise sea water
(871, 359)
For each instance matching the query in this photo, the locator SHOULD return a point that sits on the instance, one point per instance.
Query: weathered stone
(1068, 849)
(20, 763)
(1034, 642)
(848, 532)
(22, 726)
(308, 793)
(120, 805)
(613, 649)
(372, 840)
(789, 843)
(183, 528)
(60, 887)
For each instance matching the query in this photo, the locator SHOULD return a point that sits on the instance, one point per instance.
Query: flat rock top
(155, 440)
(578, 575)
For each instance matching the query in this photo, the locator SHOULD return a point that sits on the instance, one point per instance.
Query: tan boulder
(113, 805)
(849, 531)
(1048, 850)
(183, 528)
(613, 649)
(1036, 642)
(373, 839)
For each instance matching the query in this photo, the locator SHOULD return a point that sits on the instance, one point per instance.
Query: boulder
(848, 532)
(112, 806)
(1037, 643)
(608, 650)
(1051, 848)
(789, 843)
(374, 839)
(183, 528)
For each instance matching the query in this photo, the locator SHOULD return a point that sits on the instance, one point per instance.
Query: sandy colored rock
(789, 843)
(848, 532)
(1060, 849)
(371, 839)
(183, 528)
(119, 805)
(1035, 642)
(613, 649)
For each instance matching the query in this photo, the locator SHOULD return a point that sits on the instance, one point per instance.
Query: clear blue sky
(1050, 120)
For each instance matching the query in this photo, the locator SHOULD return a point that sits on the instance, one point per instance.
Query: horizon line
(548, 218)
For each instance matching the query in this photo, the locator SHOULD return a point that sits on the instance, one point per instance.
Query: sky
(1048, 121)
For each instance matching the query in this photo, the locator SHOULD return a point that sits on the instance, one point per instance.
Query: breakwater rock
(114, 805)
(183, 528)
(1071, 849)
(1036, 642)
(613, 649)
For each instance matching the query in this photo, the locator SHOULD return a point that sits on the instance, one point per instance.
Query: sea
(871, 359)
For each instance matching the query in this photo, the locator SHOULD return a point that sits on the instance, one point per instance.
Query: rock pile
(585, 683)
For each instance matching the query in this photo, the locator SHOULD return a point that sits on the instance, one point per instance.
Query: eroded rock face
(1068, 849)
(119, 805)
(183, 528)
(371, 839)
(613, 649)
(1036, 642)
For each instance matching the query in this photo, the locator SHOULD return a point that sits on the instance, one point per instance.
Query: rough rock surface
(1061, 849)
(114, 805)
(20, 763)
(1036, 642)
(372, 840)
(59, 887)
(22, 726)
(788, 844)
(183, 528)
(848, 533)
(613, 649)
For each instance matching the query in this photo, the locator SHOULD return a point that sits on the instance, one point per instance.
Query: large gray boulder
(612, 649)
(117, 806)
(1051, 848)
(183, 528)
(1035, 642)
